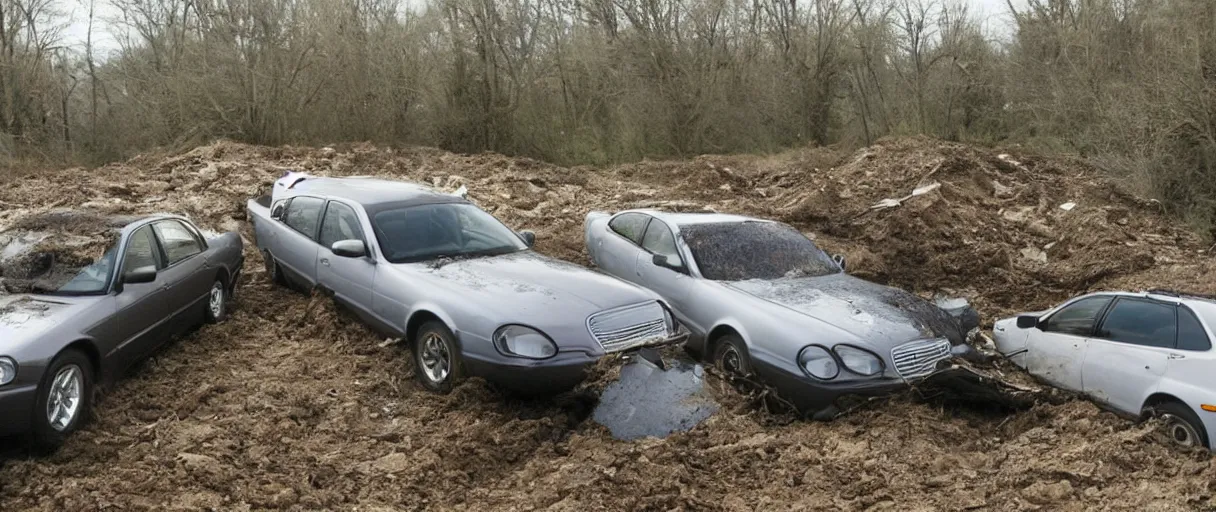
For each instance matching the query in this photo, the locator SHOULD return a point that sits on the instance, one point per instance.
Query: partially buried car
(1141, 354)
(761, 299)
(468, 294)
(84, 295)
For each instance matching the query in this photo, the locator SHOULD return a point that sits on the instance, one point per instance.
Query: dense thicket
(1129, 82)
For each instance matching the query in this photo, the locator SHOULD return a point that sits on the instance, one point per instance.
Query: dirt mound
(292, 404)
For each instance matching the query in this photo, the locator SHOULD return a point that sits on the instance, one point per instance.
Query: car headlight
(668, 319)
(858, 360)
(521, 341)
(817, 362)
(8, 370)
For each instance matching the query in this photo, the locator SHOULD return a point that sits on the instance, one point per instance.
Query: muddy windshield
(737, 251)
(47, 267)
(433, 231)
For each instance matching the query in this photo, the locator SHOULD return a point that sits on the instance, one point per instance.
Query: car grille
(628, 327)
(919, 358)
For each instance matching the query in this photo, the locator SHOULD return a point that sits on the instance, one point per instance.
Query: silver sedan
(762, 299)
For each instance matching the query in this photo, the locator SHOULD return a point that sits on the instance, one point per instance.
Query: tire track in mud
(278, 409)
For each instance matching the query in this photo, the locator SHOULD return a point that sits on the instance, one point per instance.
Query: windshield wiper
(444, 259)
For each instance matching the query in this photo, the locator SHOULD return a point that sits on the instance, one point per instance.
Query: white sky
(993, 13)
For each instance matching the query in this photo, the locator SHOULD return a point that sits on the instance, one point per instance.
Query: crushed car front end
(521, 360)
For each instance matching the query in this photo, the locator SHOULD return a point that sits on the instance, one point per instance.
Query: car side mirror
(665, 262)
(145, 274)
(839, 259)
(349, 248)
(529, 237)
(1027, 321)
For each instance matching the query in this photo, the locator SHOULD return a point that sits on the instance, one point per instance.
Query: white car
(1138, 353)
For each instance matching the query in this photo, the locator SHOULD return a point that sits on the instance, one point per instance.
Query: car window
(1191, 335)
(630, 225)
(738, 251)
(176, 240)
(302, 215)
(340, 223)
(1141, 322)
(140, 251)
(1077, 318)
(409, 234)
(660, 240)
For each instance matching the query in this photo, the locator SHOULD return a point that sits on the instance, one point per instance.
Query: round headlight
(520, 341)
(817, 362)
(8, 370)
(859, 361)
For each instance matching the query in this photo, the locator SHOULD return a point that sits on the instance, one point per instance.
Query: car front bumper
(811, 396)
(17, 409)
(554, 375)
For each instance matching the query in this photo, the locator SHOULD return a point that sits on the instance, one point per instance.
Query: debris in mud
(59, 250)
(649, 400)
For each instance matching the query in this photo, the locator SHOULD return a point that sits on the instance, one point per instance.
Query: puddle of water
(650, 401)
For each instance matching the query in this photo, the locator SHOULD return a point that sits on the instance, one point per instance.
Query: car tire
(273, 270)
(1183, 426)
(437, 358)
(217, 302)
(64, 399)
(731, 357)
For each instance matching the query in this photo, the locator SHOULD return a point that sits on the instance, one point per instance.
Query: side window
(1191, 335)
(1077, 318)
(303, 213)
(630, 225)
(340, 223)
(176, 240)
(659, 240)
(276, 211)
(1141, 322)
(140, 251)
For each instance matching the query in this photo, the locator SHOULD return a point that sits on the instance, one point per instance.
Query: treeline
(1131, 83)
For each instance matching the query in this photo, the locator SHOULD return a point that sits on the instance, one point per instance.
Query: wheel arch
(89, 348)
(1159, 398)
(720, 330)
(423, 314)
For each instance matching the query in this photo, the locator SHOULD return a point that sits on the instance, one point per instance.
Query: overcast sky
(992, 12)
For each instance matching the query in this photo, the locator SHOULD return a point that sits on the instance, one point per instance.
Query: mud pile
(292, 404)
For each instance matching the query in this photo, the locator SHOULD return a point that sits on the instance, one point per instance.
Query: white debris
(1034, 254)
(1068, 206)
(918, 191)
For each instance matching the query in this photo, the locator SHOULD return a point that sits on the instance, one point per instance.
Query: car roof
(686, 219)
(371, 191)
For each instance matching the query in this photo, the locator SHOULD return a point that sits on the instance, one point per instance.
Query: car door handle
(1177, 356)
(325, 261)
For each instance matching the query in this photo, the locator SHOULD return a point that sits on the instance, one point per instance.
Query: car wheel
(730, 356)
(217, 302)
(64, 399)
(273, 270)
(437, 357)
(1183, 426)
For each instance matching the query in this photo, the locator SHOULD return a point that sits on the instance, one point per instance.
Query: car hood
(530, 280)
(873, 313)
(24, 317)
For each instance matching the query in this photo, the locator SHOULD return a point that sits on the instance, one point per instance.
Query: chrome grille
(919, 358)
(628, 327)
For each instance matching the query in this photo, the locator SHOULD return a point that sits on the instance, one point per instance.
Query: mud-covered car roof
(373, 191)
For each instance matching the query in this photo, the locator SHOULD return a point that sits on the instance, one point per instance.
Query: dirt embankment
(294, 405)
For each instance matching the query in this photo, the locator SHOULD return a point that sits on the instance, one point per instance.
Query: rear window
(738, 251)
(1191, 335)
(303, 214)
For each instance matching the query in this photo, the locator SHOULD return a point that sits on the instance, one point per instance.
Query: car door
(140, 320)
(1055, 349)
(672, 285)
(184, 275)
(1130, 351)
(297, 244)
(617, 250)
(350, 279)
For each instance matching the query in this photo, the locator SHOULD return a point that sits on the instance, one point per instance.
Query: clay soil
(292, 404)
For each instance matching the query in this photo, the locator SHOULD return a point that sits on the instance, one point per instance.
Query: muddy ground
(292, 404)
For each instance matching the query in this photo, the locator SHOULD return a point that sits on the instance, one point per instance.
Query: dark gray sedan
(761, 298)
(84, 295)
(464, 290)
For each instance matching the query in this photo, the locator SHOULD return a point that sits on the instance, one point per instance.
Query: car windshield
(452, 230)
(57, 271)
(738, 251)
